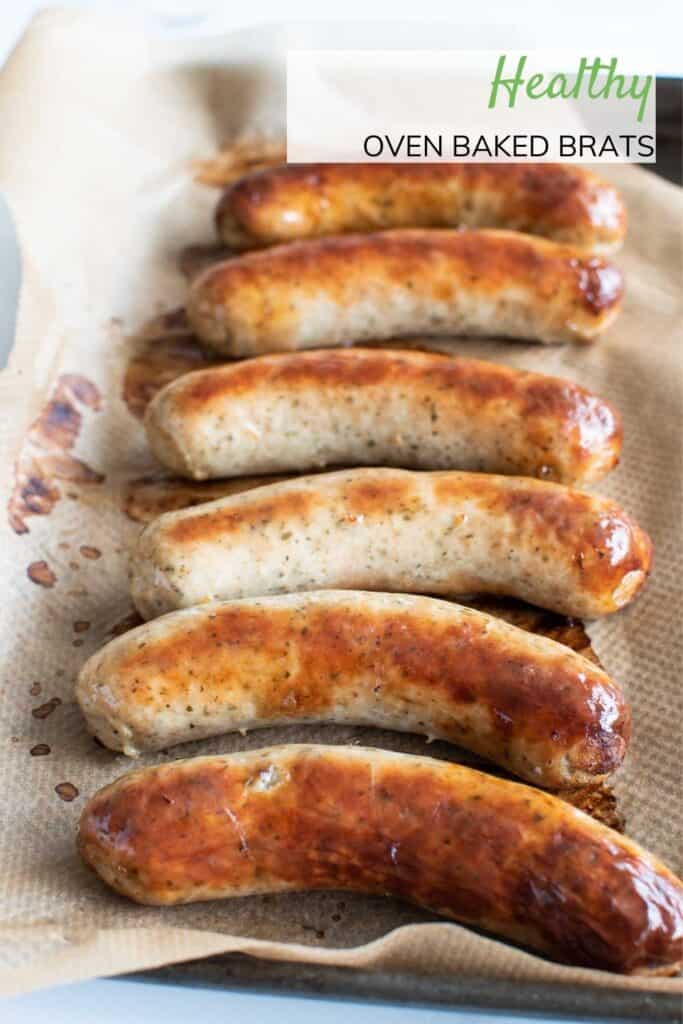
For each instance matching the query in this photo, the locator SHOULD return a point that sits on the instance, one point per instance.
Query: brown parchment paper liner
(99, 131)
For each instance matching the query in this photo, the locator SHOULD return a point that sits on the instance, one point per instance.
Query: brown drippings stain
(35, 689)
(195, 258)
(81, 626)
(41, 573)
(44, 457)
(46, 709)
(164, 348)
(74, 565)
(66, 791)
(149, 496)
(237, 159)
(599, 801)
(90, 552)
(40, 750)
(76, 643)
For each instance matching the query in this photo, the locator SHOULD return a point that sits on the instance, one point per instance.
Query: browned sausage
(495, 854)
(383, 408)
(389, 660)
(281, 204)
(355, 288)
(391, 529)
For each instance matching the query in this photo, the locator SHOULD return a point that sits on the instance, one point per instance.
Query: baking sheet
(236, 972)
(101, 129)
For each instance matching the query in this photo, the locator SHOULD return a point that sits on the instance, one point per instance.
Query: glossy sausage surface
(499, 855)
(390, 660)
(420, 410)
(562, 202)
(395, 530)
(354, 288)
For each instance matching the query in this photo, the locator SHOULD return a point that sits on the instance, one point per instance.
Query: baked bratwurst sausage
(499, 855)
(561, 202)
(421, 410)
(390, 660)
(394, 530)
(356, 288)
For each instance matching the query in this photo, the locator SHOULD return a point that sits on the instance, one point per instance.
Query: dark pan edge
(238, 972)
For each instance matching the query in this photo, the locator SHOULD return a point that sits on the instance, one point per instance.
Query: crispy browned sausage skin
(280, 204)
(390, 660)
(395, 530)
(348, 289)
(359, 406)
(499, 855)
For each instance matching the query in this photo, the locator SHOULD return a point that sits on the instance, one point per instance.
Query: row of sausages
(297, 601)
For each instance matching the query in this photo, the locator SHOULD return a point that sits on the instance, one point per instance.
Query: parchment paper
(99, 131)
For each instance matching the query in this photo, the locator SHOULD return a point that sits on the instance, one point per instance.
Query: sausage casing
(355, 288)
(420, 410)
(500, 855)
(281, 204)
(395, 530)
(390, 660)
